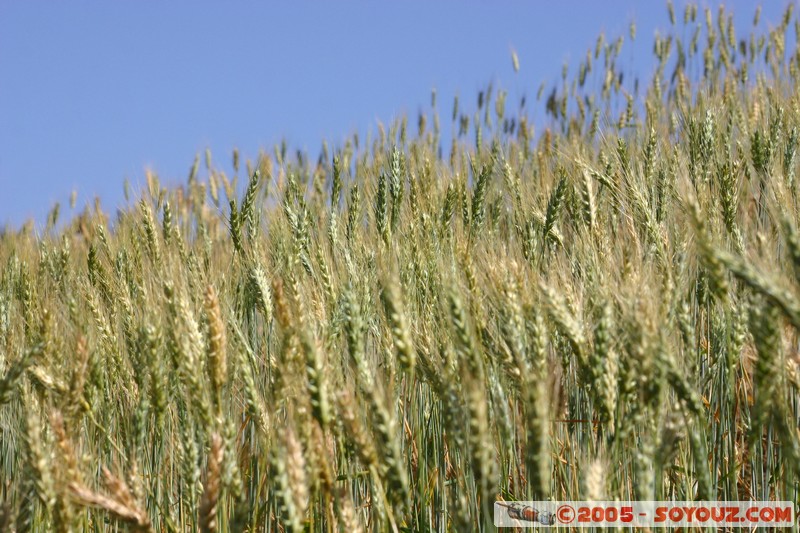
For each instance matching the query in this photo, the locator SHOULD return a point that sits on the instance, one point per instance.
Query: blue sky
(92, 93)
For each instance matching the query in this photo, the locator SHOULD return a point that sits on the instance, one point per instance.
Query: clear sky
(95, 92)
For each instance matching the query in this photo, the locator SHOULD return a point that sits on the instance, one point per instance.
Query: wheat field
(604, 304)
